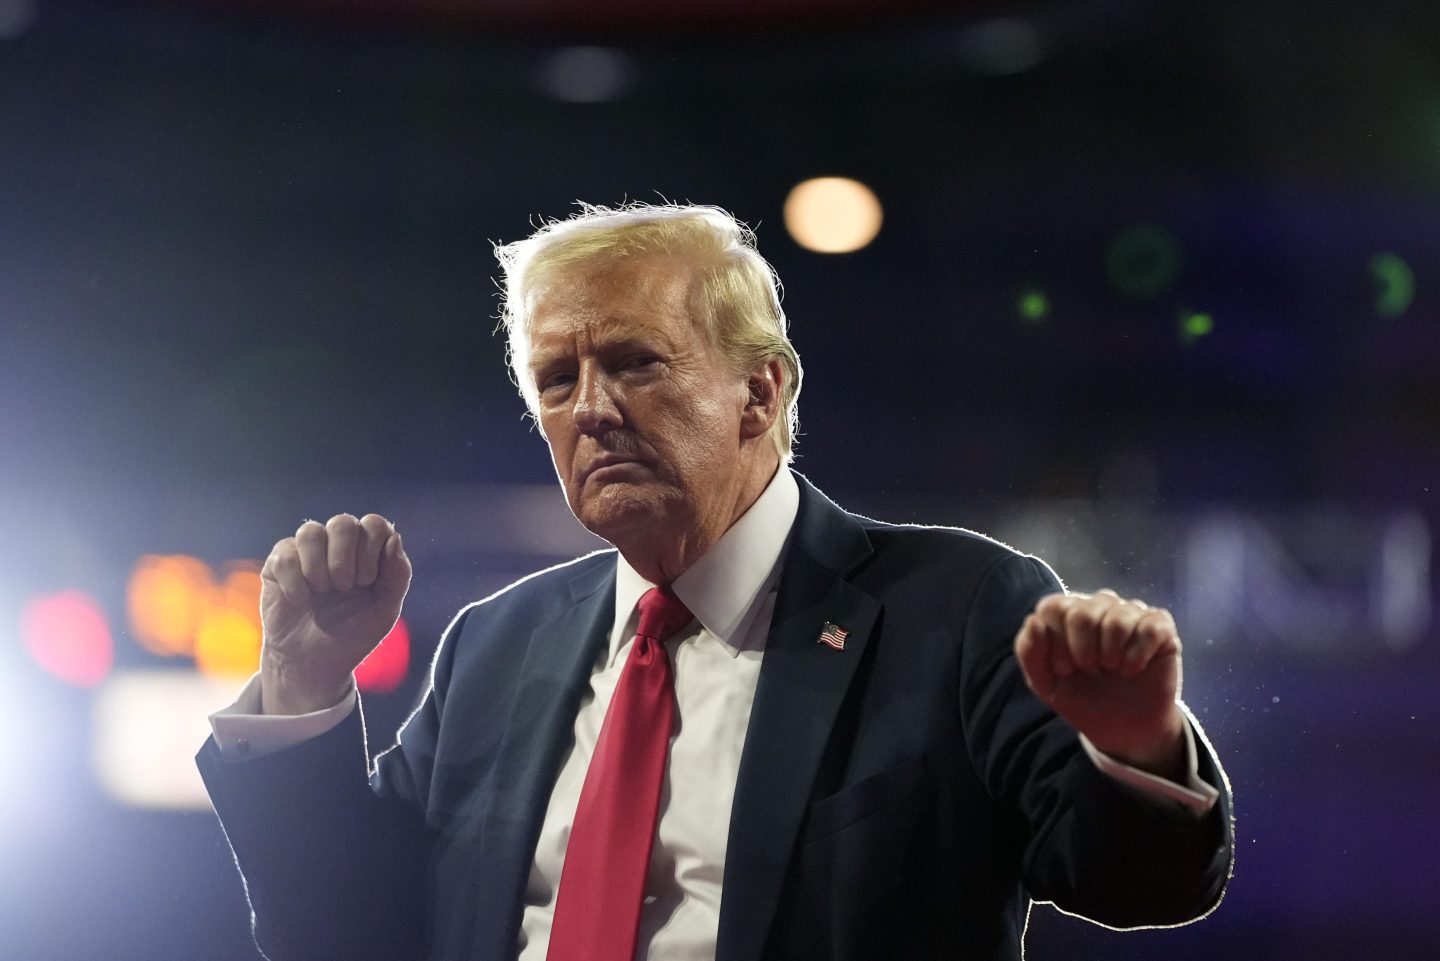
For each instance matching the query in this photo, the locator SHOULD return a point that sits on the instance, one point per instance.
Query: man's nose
(595, 409)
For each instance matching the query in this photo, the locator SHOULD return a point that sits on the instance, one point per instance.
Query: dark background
(245, 279)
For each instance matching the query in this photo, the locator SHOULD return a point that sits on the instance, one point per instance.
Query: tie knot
(661, 614)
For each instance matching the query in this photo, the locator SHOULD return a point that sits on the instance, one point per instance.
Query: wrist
(285, 691)
(1162, 755)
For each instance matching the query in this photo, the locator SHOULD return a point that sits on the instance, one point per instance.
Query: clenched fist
(328, 596)
(1111, 669)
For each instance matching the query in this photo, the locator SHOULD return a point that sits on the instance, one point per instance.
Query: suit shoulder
(545, 585)
(946, 546)
(516, 609)
(936, 537)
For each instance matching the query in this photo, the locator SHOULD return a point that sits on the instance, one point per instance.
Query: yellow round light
(227, 644)
(227, 640)
(832, 215)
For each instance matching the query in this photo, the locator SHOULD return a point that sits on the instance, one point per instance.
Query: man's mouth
(609, 464)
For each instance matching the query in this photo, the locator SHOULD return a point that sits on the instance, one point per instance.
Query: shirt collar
(724, 587)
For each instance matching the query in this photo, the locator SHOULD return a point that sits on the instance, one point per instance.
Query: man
(760, 728)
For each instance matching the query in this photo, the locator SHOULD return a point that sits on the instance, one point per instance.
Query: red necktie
(602, 886)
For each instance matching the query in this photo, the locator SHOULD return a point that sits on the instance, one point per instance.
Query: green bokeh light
(1394, 284)
(1034, 306)
(1143, 261)
(1194, 325)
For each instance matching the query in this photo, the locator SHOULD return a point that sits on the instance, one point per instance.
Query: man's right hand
(328, 596)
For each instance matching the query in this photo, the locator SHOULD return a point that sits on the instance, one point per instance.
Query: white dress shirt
(731, 591)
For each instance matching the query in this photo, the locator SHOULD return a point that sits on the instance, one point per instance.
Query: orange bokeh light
(166, 600)
(227, 643)
(241, 588)
(176, 607)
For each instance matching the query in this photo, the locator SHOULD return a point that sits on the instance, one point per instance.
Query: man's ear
(762, 400)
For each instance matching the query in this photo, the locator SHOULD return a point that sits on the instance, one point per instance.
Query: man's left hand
(1111, 669)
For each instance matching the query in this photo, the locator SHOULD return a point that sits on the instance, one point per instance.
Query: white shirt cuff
(1194, 795)
(243, 733)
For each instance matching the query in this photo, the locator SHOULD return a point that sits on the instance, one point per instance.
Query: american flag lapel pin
(833, 635)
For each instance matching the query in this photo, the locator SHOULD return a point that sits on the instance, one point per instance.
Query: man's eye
(641, 360)
(557, 380)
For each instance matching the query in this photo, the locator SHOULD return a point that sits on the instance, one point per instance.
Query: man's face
(641, 411)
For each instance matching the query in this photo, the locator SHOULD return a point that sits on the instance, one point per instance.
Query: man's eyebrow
(539, 357)
(610, 333)
(620, 328)
(542, 357)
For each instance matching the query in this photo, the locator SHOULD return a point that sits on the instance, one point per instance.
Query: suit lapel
(553, 679)
(797, 699)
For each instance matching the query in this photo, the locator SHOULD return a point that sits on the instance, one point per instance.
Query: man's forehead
(650, 281)
(620, 303)
(559, 330)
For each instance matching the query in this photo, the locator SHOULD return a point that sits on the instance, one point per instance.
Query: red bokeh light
(66, 634)
(387, 665)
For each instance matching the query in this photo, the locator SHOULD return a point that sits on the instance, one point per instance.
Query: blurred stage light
(832, 215)
(227, 645)
(1001, 47)
(586, 74)
(1194, 325)
(176, 607)
(147, 727)
(1144, 260)
(386, 667)
(227, 640)
(1033, 306)
(67, 636)
(1403, 583)
(1394, 284)
(166, 600)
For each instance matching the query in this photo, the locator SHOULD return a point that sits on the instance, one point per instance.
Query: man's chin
(619, 508)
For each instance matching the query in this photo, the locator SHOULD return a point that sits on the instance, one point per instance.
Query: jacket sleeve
(1093, 847)
(334, 856)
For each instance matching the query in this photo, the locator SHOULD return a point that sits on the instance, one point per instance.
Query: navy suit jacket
(904, 797)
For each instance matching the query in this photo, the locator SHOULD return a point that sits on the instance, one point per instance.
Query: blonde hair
(739, 291)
